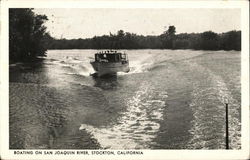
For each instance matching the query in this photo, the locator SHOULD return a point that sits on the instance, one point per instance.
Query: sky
(88, 22)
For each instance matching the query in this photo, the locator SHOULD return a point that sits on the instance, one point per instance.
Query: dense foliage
(26, 34)
(28, 38)
(168, 40)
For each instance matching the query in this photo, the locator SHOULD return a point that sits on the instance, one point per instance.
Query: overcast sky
(86, 23)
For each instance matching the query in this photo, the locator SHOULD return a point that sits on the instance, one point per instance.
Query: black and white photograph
(122, 80)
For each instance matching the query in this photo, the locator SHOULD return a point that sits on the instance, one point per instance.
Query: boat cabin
(111, 56)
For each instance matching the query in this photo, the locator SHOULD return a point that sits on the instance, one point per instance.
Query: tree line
(28, 38)
(168, 40)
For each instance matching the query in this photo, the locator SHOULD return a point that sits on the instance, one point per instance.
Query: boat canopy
(108, 56)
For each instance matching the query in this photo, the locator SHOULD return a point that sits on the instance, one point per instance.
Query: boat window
(111, 57)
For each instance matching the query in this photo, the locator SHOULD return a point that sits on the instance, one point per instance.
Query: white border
(148, 154)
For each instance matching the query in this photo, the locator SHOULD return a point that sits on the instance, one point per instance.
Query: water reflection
(29, 72)
(106, 83)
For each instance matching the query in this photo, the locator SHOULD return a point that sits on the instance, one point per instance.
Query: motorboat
(110, 62)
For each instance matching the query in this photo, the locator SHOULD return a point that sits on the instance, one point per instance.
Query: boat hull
(103, 68)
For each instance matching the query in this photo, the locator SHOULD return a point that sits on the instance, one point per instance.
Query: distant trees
(28, 38)
(168, 37)
(209, 40)
(231, 40)
(168, 40)
(27, 34)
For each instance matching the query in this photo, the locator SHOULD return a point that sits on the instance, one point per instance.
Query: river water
(171, 99)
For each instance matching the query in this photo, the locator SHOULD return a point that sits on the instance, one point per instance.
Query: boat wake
(139, 62)
(149, 62)
(137, 127)
(208, 104)
(74, 66)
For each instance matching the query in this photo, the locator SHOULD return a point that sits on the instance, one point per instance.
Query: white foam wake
(208, 104)
(137, 126)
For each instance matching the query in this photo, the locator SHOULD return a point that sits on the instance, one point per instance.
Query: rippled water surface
(169, 100)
